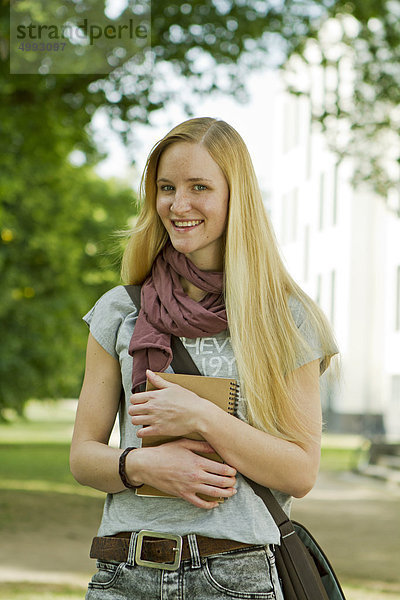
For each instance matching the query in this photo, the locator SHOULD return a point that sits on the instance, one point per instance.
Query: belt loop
(194, 551)
(132, 547)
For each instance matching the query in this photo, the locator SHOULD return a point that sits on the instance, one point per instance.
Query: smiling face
(192, 202)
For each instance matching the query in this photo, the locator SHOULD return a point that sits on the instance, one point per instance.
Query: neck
(191, 290)
(207, 259)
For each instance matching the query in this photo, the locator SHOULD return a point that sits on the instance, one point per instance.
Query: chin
(182, 246)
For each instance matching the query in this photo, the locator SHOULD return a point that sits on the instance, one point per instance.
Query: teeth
(187, 223)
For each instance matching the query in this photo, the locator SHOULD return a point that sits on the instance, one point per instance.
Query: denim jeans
(243, 574)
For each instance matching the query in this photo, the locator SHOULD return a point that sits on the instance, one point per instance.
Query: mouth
(186, 225)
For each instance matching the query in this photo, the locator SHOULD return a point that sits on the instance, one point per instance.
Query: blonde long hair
(264, 336)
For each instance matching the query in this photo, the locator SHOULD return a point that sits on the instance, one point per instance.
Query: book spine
(233, 398)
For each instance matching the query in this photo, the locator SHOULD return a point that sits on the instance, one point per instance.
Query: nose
(181, 203)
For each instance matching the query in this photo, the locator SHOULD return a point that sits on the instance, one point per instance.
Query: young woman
(206, 257)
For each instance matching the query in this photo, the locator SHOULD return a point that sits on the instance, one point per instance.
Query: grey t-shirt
(242, 517)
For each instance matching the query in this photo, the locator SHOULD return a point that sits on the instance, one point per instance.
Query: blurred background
(313, 88)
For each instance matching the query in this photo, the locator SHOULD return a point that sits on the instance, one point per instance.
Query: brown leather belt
(158, 550)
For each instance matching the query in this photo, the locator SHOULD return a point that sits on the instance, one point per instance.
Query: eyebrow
(190, 179)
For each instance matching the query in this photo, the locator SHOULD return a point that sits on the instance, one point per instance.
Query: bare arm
(92, 461)
(175, 467)
(271, 461)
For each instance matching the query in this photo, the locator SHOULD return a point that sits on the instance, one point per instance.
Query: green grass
(43, 462)
(34, 450)
(338, 459)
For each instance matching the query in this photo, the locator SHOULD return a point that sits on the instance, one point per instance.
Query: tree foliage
(56, 249)
(358, 51)
(56, 258)
(214, 43)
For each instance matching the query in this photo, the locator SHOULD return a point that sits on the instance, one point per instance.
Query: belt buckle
(156, 565)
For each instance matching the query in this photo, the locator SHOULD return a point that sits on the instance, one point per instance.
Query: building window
(309, 143)
(319, 289)
(306, 252)
(283, 219)
(289, 216)
(398, 299)
(395, 389)
(293, 209)
(335, 193)
(291, 124)
(321, 200)
(333, 293)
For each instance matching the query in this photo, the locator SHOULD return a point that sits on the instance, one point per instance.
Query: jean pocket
(107, 575)
(241, 574)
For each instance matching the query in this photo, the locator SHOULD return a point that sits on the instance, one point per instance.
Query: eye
(166, 188)
(199, 187)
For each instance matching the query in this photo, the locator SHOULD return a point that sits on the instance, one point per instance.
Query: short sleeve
(107, 316)
(311, 338)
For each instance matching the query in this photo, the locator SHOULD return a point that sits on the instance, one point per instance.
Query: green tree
(56, 258)
(56, 253)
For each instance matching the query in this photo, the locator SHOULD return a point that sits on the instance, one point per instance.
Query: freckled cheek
(162, 209)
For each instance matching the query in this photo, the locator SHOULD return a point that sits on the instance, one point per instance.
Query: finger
(139, 409)
(158, 381)
(200, 503)
(213, 466)
(140, 397)
(142, 420)
(219, 481)
(216, 492)
(146, 430)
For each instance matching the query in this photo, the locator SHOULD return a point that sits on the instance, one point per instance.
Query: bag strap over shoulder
(134, 292)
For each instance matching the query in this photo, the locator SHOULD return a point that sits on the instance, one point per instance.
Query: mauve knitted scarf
(166, 309)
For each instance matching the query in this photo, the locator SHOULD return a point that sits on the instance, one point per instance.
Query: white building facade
(343, 247)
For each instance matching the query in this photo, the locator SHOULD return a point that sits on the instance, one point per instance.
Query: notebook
(223, 392)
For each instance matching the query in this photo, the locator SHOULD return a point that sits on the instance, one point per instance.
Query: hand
(168, 410)
(176, 468)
